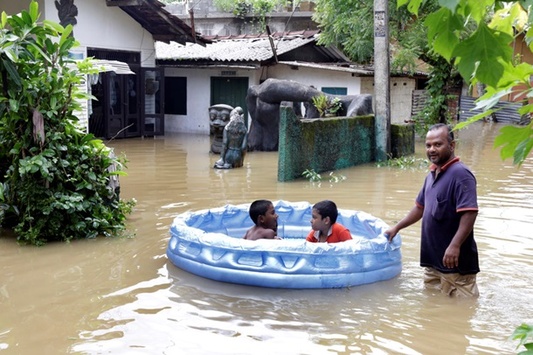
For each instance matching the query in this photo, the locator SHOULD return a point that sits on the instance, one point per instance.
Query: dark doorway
(153, 94)
(116, 112)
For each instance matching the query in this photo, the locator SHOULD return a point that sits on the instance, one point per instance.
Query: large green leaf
(515, 142)
(476, 9)
(4, 19)
(509, 19)
(514, 75)
(34, 11)
(479, 55)
(522, 150)
(473, 119)
(491, 98)
(442, 27)
(12, 72)
(412, 5)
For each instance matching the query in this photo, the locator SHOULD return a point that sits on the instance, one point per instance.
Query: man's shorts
(454, 285)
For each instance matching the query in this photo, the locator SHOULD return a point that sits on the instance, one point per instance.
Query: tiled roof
(243, 48)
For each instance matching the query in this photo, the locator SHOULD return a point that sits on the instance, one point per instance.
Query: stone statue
(219, 116)
(67, 12)
(234, 142)
(263, 103)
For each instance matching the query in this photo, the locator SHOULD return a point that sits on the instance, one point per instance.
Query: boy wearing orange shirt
(324, 226)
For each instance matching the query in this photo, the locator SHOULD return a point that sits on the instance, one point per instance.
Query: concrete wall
(109, 27)
(14, 7)
(402, 140)
(322, 144)
(210, 21)
(401, 91)
(328, 144)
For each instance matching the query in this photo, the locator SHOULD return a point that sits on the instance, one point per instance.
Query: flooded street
(122, 296)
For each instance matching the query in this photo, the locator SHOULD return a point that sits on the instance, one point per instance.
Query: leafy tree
(54, 178)
(257, 8)
(482, 52)
(348, 24)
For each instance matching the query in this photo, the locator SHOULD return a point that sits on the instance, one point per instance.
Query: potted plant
(327, 106)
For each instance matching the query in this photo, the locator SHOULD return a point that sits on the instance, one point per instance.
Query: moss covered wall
(322, 144)
(330, 143)
(402, 140)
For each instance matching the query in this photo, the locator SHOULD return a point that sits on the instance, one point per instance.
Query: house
(210, 20)
(222, 71)
(121, 34)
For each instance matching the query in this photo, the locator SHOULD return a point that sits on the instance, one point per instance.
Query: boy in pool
(265, 218)
(325, 228)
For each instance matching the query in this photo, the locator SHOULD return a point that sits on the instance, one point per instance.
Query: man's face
(438, 149)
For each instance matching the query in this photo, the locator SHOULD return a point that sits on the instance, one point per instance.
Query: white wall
(317, 78)
(199, 98)
(102, 26)
(401, 92)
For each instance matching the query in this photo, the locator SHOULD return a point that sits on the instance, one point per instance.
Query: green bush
(56, 180)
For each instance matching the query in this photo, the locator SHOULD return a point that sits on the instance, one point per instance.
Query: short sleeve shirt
(337, 233)
(444, 197)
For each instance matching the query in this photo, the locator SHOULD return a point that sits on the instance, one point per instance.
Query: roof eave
(163, 26)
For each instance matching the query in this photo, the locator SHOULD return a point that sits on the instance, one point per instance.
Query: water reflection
(121, 296)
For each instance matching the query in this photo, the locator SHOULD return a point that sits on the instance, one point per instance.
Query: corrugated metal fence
(508, 111)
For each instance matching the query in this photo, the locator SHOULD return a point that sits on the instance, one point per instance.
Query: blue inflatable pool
(209, 243)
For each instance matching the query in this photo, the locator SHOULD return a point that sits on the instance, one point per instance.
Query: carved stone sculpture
(234, 142)
(67, 12)
(219, 116)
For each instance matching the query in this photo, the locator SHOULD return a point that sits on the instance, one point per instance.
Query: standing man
(447, 204)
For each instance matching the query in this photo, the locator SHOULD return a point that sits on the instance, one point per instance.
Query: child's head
(263, 214)
(327, 208)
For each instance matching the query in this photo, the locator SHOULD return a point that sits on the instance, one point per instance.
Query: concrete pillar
(381, 79)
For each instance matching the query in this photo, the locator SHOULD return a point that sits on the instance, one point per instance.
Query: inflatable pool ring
(209, 243)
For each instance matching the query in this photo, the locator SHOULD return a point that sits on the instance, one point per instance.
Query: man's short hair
(440, 125)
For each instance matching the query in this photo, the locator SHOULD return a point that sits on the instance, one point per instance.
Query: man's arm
(466, 224)
(412, 217)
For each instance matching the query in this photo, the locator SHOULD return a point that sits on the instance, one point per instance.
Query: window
(335, 91)
(206, 29)
(176, 95)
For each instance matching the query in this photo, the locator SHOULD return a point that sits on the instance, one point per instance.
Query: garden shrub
(55, 179)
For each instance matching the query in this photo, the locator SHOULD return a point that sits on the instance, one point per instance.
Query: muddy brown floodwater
(122, 296)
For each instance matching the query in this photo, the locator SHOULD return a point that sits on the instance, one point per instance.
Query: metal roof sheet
(244, 48)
